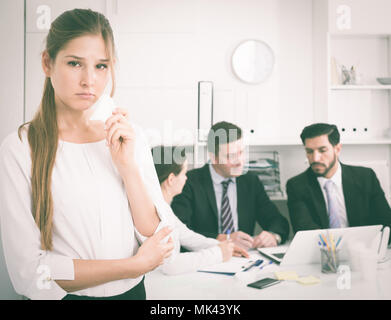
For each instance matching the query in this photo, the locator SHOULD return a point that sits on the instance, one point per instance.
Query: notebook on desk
(304, 249)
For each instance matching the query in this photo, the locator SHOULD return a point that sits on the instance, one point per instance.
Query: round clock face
(253, 61)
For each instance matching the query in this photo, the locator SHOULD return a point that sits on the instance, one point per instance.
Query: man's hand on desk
(265, 239)
(239, 238)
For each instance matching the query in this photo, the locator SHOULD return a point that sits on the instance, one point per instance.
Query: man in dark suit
(330, 194)
(218, 199)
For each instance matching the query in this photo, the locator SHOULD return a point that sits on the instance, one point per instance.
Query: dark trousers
(136, 293)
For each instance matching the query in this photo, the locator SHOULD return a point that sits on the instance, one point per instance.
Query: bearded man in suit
(330, 194)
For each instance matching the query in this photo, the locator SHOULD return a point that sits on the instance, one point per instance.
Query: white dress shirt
(91, 218)
(204, 250)
(232, 196)
(337, 193)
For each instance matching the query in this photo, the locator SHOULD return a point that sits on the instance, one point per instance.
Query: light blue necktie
(332, 205)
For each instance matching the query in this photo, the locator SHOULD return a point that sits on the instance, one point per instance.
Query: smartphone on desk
(263, 283)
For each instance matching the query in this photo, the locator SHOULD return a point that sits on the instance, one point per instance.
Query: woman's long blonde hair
(42, 131)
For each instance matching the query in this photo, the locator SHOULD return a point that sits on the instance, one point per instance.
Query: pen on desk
(254, 264)
(338, 241)
(331, 239)
(249, 263)
(332, 243)
(319, 244)
(325, 242)
(267, 264)
(321, 239)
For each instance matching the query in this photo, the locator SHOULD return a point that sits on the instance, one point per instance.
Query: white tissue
(103, 108)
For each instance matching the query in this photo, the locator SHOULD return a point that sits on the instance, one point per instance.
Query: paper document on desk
(231, 267)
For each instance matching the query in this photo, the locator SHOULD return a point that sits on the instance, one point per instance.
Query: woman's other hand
(153, 251)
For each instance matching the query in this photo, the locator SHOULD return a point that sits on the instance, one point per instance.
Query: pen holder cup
(329, 260)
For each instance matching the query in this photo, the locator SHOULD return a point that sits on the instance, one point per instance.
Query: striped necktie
(332, 205)
(227, 222)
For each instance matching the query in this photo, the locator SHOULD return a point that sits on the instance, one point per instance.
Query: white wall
(12, 57)
(165, 48)
(11, 94)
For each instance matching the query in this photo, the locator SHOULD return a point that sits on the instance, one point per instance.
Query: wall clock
(253, 61)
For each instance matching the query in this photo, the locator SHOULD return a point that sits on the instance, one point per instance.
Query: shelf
(278, 143)
(366, 141)
(266, 143)
(357, 141)
(373, 141)
(361, 87)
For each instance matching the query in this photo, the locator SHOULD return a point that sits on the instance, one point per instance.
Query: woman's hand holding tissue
(120, 138)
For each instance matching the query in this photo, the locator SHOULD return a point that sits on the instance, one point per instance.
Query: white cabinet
(361, 110)
(355, 33)
(359, 16)
(359, 35)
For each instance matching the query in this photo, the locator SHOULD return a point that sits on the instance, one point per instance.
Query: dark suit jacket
(364, 200)
(196, 205)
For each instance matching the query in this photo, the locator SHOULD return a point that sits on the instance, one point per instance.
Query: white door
(158, 66)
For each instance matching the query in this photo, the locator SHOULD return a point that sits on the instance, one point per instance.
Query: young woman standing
(74, 192)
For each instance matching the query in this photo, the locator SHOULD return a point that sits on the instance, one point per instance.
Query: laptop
(304, 248)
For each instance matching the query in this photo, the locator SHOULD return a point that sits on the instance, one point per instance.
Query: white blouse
(91, 220)
(204, 250)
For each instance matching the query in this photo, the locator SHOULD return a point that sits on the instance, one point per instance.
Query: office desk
(205, 286)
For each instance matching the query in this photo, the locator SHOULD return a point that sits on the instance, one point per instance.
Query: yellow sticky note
(308, 280)
(286, 275)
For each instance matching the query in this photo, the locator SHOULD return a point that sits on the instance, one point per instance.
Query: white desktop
(347, 283)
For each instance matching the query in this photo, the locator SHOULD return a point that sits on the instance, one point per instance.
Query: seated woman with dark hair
(171, 168)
